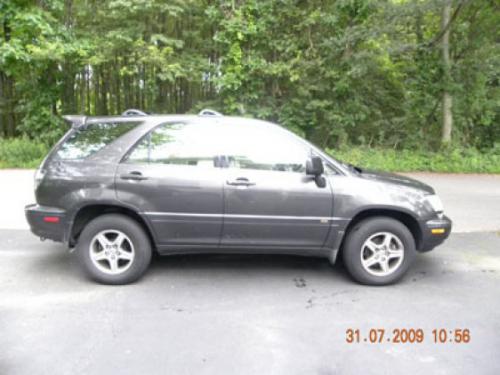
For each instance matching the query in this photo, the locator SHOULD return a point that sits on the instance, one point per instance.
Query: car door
(171, 177)
(269, 201)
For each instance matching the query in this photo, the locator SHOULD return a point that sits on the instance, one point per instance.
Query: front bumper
(46, 222)
(434, 232)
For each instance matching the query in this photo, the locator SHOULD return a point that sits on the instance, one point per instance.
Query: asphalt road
(252, 314)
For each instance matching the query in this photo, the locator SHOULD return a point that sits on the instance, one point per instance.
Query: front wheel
(378, 251)
(114, 249)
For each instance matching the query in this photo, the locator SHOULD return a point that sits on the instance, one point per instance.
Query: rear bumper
(46, 222)
(434, 232)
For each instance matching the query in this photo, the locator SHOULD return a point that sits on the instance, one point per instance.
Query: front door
(266, 208)
(269, 201)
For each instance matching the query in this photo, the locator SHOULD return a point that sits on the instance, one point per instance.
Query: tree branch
(448, 25)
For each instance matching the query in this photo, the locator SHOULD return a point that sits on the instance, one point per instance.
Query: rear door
(171, 176)
(269, 201)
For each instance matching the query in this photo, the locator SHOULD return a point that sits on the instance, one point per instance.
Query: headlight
(435, 202)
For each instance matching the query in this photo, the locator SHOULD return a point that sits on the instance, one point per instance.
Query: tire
(378, 251)
(114, 249)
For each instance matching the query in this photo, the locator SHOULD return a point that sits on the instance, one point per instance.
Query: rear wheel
(378, 251)
(114, 249)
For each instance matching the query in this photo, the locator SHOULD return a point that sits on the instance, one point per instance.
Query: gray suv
(120, 188)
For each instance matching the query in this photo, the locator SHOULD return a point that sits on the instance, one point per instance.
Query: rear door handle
(240, 181)
(134, 175)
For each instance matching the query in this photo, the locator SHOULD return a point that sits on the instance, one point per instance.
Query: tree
(447, 98)
(386, 73)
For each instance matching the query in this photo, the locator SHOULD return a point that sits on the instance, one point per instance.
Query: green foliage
(340, 72)
(39, 120)
(453, 160)
(21, 153)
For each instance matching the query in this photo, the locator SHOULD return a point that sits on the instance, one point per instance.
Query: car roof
(164, 118)
(80, 120)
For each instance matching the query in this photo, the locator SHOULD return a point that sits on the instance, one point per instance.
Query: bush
(21, 153)
(452, 160)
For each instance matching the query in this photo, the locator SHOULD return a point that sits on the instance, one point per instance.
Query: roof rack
(134, 112)
(209, 112)
(75, 121)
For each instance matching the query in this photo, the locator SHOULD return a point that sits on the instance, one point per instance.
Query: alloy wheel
(382, 254)
(112, 252)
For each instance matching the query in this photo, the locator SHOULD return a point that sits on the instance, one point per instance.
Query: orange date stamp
(407, 336)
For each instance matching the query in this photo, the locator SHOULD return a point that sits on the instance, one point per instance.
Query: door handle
(240, 181)
(134, 175)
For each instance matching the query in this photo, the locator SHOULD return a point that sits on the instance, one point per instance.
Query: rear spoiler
(79, 121)
(76, 121)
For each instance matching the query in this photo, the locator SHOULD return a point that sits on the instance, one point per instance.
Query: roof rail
(209, 112)
(75, 121)
(134, 112)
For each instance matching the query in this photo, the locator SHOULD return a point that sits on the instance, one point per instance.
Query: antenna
(209, 112)
(134, 112)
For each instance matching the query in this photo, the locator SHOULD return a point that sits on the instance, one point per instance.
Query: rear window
(88, 140)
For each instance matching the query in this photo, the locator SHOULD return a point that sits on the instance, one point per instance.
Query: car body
(220, 184)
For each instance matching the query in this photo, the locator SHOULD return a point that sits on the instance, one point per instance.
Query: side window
(177, 144)
(86, 141)
(264, 148)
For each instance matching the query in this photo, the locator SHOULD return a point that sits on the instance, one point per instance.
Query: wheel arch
(403, 217)
(86, 213)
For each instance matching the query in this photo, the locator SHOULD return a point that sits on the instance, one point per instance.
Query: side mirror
(314, 166)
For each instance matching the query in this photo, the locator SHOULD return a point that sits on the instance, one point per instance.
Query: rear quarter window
(84, 142)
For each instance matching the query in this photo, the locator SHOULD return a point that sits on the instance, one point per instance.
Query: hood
(396, 179)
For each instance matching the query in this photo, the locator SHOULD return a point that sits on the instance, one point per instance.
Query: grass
(447, 161)
(25, 153)
(21, 153)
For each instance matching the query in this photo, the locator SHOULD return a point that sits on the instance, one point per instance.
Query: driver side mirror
(314, 166)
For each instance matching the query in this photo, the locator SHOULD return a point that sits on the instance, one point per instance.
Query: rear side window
(179, 144)
(88, 140)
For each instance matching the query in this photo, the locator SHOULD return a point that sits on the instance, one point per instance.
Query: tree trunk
(118, 86)
(87, 91)
(447, 98)
(2, 106)
(68, 99)
(104, 89)
(83, 85)
(49, 81)
(8, 87)
(8, 92)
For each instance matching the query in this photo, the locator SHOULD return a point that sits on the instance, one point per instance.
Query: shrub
(467, 160)
(21, 153)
